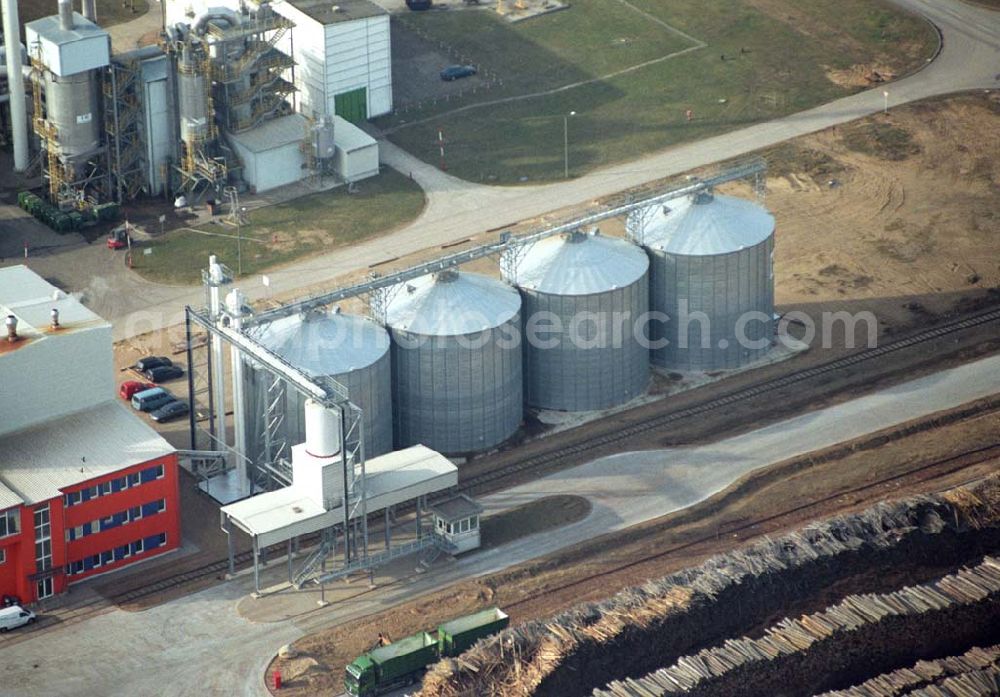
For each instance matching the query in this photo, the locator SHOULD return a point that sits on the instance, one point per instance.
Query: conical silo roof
(452, 303)
(579, 264)
(703, 225)
(325, 343)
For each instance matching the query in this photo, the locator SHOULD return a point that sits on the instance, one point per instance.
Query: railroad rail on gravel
(470, 486)
(478, 483)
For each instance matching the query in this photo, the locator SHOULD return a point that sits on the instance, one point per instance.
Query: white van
(14, 616)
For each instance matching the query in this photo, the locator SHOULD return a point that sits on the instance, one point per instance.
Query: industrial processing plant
(220, 100)
(456, 361)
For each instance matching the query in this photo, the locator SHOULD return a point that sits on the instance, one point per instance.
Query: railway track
(950, 465)
(479, 483)
(490, 480)
(482, 482)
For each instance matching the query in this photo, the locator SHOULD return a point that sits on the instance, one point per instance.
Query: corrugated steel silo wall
(370, 388)
(457, 398)
(724, 287)
(568, 377)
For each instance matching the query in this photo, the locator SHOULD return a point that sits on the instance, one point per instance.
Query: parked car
(169, 411)
(163, 373)
(9, 600)
(128, 388)
(457, 72)
(419, 5)
(151, 400)
(144, 364)
(15, 616)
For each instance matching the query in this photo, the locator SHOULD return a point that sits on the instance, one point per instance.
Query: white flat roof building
(272, 153)
(344, 55)
(52, 371)
(356, 155)
(391, 479)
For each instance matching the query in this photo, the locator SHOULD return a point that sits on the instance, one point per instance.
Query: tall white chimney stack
(15, 83)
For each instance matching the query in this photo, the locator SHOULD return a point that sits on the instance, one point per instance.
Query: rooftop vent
(11, 323)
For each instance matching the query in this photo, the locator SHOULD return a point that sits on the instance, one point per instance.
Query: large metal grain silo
(456, 361)
(711, 274)
(352, 350)
(583, 296)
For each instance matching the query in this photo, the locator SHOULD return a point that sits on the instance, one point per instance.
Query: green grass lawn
(285, 232)
(594, 38)
(776, 63)
(108, 11)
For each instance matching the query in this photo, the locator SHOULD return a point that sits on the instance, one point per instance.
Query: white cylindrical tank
(322, 430)
(584, 296)
(456, 361)
(192, 96)
(323, 143)
(711, 272)
(352, 350)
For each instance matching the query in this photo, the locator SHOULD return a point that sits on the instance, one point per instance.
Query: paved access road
(199, 645)
(970, 58)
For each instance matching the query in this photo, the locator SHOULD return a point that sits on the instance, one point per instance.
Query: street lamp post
(239, 241)
(566, 143)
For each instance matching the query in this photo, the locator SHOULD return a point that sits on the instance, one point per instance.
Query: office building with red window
(86, 486)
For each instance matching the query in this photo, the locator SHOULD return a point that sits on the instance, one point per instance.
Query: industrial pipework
(15, 84)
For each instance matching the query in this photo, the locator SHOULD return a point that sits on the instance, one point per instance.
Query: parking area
(417, 62)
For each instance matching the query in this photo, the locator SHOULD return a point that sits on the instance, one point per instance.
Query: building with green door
(344, 57)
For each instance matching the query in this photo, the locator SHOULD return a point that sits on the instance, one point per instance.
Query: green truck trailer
(404, 661)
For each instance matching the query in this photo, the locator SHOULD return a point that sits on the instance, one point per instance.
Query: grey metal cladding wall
(724, 287)
(457, 398)
(571, 377)
(67, 101)
(369, 387)
(193, 105)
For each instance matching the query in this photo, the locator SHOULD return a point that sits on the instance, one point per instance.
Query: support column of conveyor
(235, 302)
(15, 85)
(216, 278)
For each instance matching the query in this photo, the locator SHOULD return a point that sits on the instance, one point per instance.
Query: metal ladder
(314, 560)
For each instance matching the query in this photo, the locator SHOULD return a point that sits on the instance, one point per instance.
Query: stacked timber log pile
(983, 683)
(645, 627)
(786, 641)
(976, 668)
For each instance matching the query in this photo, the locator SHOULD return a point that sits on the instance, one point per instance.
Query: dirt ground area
(544, 514)
(893, 214)
(776, 500)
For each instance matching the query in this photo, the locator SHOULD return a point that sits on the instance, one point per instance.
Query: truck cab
(400, 663)
(360, 677)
